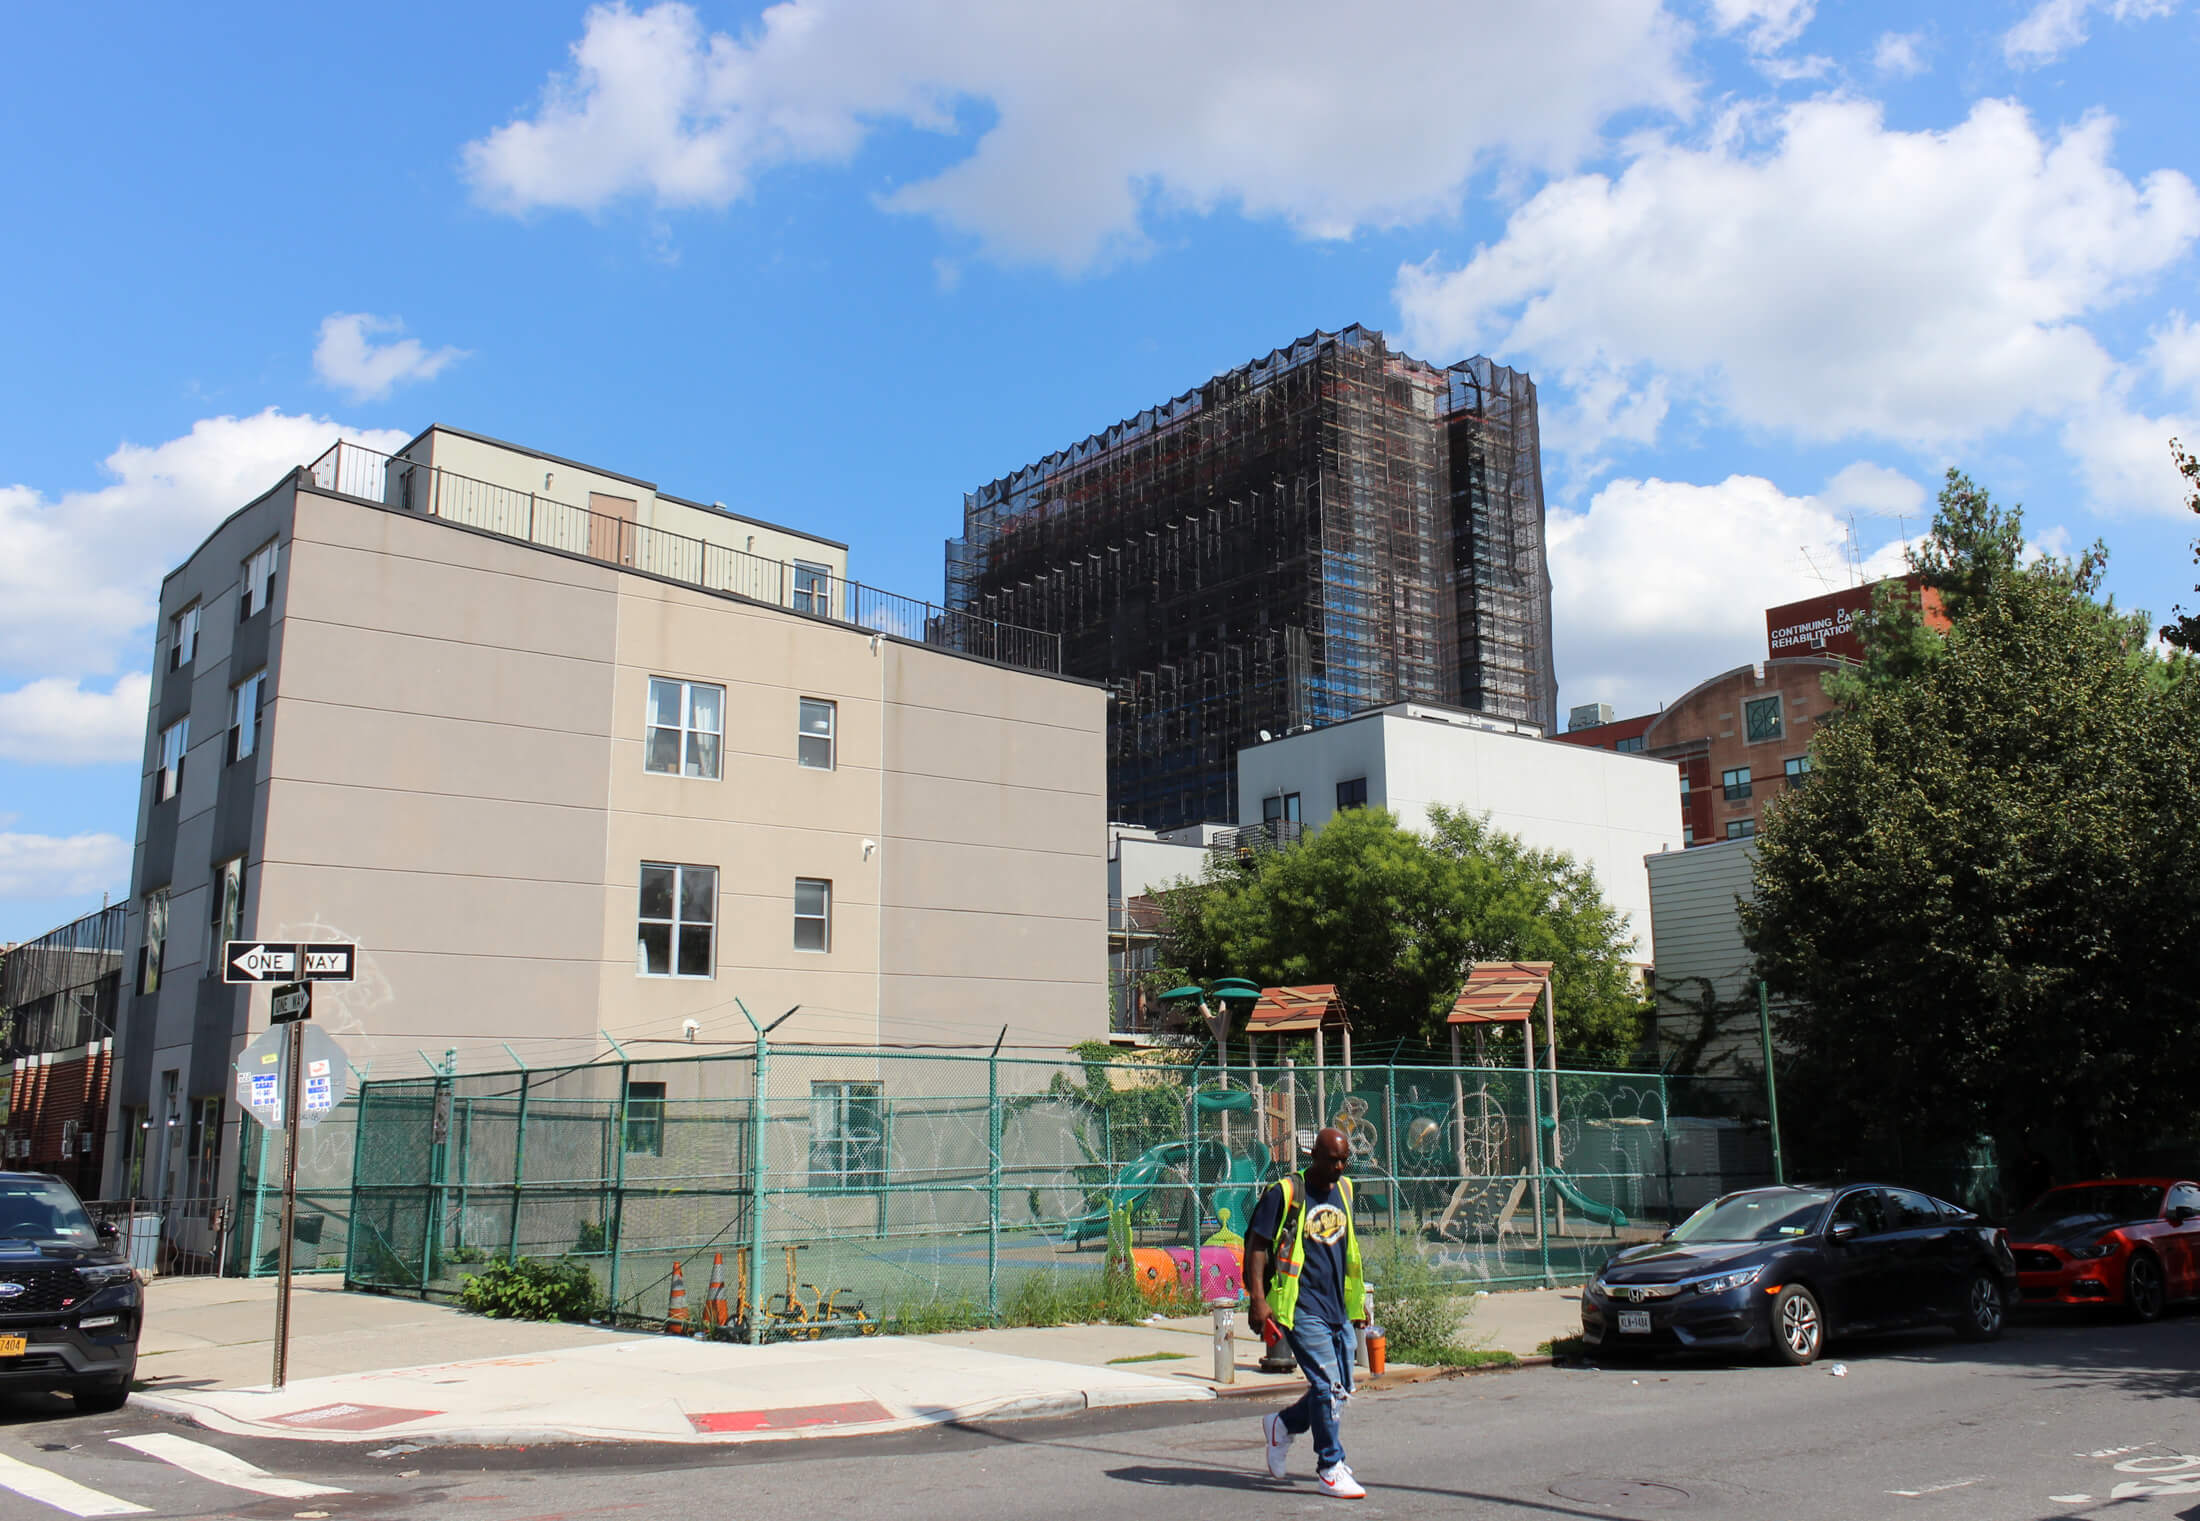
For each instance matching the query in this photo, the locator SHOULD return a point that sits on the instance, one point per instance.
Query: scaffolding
(1333, 527)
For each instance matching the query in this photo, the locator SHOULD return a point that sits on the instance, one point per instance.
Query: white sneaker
(1338, 1483)
(1278, 1442)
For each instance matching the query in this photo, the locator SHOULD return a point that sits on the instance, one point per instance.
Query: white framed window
(244, 715)
(813, 588)
(175, 745)
(687, 726)
(1740, 829)
(814, 733)
(228, 909)
(183, 638)
(259, 580)
(155, 945)
(847, 1135)
(677, 922)
(1761, 719)
(813, 914)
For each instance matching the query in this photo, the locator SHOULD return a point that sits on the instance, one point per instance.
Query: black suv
(69, 1302)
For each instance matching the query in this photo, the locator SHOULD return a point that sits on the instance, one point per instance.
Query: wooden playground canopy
(1501, 993)
(1294, 1011)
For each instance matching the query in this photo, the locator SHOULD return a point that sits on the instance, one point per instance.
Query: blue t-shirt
(1321, 1271)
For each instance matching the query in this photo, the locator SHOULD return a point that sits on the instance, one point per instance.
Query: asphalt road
(2093, 1419)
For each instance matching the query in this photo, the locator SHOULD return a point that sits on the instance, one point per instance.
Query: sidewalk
(369, 1368)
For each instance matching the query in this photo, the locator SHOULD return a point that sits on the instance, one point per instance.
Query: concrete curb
(1404, 1378)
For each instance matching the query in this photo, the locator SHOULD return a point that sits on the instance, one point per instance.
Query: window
(1632, 746)
(203, 1184)
(1907, 1211)
(1862, 1210)
(687, 725)
(183, 640)
(1740, 829)
(645, 1118)
(1352, 794)
(244, 715)
(228, 910)
(156, 940)
(678, 921)
(1761, 719)
(1798, 770)
(2183, 1196)
(1684, 786)
(259, 581)
(175, 741)
(1736, 783)
(135, 1131)
(813, 914)
(813, 588)
(813, 745)
(1283, 808)
(847, 1135)
(1688, 834)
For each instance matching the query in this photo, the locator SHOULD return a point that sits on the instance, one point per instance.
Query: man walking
(1302, 1274)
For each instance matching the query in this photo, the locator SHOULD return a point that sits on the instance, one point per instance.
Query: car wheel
(2145, 1294)
(1984, 1309)
(98, 1399)
(1798, 1327)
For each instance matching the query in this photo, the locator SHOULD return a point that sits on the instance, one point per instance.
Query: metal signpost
(292, 1077)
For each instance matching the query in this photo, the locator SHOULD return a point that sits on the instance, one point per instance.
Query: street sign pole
(293, 1098)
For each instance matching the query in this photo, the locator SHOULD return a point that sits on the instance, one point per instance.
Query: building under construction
(1334, 527)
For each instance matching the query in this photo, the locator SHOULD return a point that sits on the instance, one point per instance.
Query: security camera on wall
(690, 1028)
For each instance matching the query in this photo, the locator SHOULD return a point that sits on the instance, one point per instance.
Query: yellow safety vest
(1290, 1254)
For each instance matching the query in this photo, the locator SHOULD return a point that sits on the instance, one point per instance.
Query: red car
(2129, 1242)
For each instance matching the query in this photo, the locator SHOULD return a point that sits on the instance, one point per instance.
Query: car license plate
(14, 1346)
(1634, 1322)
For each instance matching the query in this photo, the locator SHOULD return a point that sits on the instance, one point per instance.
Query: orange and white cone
(676, 1320)
(715, 1314)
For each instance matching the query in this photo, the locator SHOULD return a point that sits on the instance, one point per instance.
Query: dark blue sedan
(1784, 1269)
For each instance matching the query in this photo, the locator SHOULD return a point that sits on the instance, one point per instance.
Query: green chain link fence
(892, 1180)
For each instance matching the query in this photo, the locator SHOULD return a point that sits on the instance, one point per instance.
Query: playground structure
(910, 1178)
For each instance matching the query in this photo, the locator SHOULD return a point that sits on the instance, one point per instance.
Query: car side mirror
(109, 1231)
(2181, 1214)
(1843, 1231)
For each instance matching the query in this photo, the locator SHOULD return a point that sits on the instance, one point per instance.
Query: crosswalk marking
(221, 1467)
(34, 1483)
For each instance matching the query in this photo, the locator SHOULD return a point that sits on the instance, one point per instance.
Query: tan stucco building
(564, 788)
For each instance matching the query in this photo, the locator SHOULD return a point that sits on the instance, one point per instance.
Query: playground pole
(1321, 1091)
(1458, 1106)
(1535, 1142)
(993, 1178)
(1550, 1048)
(1191, 1176)
(1772, 1091)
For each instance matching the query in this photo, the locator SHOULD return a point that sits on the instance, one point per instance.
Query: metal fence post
(618, 1189)
(757, 1132)
(1535, 1161)
(519, 1168)
(993, 1178)
(1390, 1138)
(1772, 1090)
(1191, 1173)
(465, 1162)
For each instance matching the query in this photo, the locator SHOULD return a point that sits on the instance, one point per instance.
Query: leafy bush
(532, 1289)
(1418, 1310)
(591, 1239)
(929, 1317)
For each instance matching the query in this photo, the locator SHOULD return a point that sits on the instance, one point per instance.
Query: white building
(1606, 810)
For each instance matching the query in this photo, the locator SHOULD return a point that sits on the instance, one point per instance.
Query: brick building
(57, 1020)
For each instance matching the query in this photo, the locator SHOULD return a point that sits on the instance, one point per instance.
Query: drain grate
(1627, 1494)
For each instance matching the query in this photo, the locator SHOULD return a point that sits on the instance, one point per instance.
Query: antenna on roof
(1814, 570)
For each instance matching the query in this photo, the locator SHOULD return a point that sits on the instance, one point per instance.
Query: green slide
(1581, 1203)
(1128, 1192)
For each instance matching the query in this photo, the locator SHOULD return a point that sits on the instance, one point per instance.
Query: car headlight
(100, 1274)
(1726, 1283)
(2097, 1249)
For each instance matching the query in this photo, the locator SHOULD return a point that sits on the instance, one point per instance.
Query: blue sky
(834, 263)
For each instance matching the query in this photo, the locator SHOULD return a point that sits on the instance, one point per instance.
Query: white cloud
(348, 358)
(1899, 55)
(2053, 27)
(2174, 354)
(1647, 581)
(57, 721)
(2123, 457)
(1327, 118)
(49, 866)
(1873, 488)
(1841, 280)
(1771, 24)
(80, 573)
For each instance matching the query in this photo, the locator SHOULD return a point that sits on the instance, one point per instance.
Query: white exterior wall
(1137, 866)
(1606, 810)
(1694, 898)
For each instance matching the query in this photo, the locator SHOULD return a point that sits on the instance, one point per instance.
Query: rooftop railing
(530, 518)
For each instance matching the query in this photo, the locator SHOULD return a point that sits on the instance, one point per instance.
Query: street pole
(293, 1098)
(1772, 1090)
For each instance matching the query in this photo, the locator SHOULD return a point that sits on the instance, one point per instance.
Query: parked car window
(2183, 1196)
(1767, 1214)
(1907, 1211)
(1861, 1209)
(1953, 1211)
(41, 1210)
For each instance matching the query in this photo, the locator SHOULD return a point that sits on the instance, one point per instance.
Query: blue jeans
(1324, 1352)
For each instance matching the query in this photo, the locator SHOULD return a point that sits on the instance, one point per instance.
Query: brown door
(611, 528)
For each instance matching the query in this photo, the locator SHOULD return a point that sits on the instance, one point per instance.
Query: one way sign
(307, 961)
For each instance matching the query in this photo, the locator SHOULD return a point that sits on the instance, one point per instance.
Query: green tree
(1394, 919)
(1984, 907)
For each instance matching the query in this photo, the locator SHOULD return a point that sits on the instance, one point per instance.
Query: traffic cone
(676, 1321)
(714, 1302)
